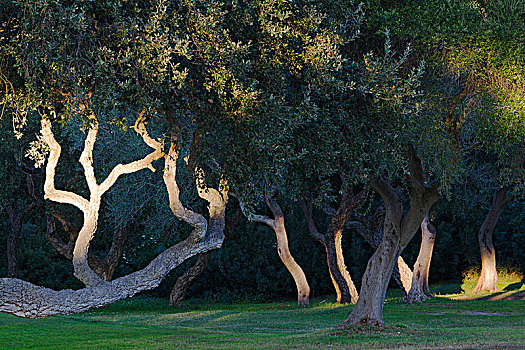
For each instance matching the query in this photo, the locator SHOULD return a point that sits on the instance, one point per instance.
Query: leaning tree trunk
(28, 300)
(398, 230)
(420, 290)
(278, 226)
(331, 240)
(184, 281)
(343, 284)
(489, 275)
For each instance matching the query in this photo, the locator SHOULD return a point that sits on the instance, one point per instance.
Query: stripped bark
(420, 290)
(28, 300)
(278, 226)
(488, 277)
(398, 230)
(331, 240)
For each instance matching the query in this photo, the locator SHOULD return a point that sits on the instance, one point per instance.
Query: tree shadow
(515, 286)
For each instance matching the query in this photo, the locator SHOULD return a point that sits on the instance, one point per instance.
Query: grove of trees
(136, 135)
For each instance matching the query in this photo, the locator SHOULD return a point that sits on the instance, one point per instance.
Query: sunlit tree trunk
(278, 226)
(420, 290)
(346, 291)
(489, 275)
(28, 300)
(371, 230)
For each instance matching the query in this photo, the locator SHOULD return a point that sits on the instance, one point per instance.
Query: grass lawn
(145, 323)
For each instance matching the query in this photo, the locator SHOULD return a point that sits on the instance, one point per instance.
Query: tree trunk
(303, 289)
(278, 226)
(399, 229)
(331, 240)
(184, 281)
(369, 307)
(489, 275)
(28, 300)
(12, 247)
(25, 299)
(403, 275)
(371, 230)
(343, 284)
(420, 290)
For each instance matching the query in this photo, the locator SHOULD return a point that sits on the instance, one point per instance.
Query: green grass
(142, 323)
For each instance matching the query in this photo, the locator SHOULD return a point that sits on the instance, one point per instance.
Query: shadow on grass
(515, 286)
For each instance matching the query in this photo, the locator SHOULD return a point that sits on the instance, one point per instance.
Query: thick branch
(86, 158)
(50, 191)
(308, 214)
(390, 197)
(137, 165)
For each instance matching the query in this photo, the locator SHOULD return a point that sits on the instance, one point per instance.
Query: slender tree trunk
(303, 289)
(343, 284)
(278, 226)
(184, 281)
(420, 290)
(331, 240)
(489, 275)
(12, 247)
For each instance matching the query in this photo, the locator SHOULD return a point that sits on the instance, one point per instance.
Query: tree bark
(183, 282)
(398, 230)
(344, 286)
(371, 230)
(420, 290)
(28, 300)
(278, 226)
(489, 275)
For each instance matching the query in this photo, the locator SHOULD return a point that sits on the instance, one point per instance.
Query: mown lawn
(145, 323)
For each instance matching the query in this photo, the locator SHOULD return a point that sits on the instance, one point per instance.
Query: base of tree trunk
(416, 295)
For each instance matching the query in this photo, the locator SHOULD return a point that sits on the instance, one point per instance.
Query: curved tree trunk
(420, 290)
(28, 300)
(184, 281)
(343, 284)
(489, 275)
(25, 299)
(278, 226)
(398, 230)
(331, 240)
(303, 289)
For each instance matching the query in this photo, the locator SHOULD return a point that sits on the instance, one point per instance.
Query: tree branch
(50, 192)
